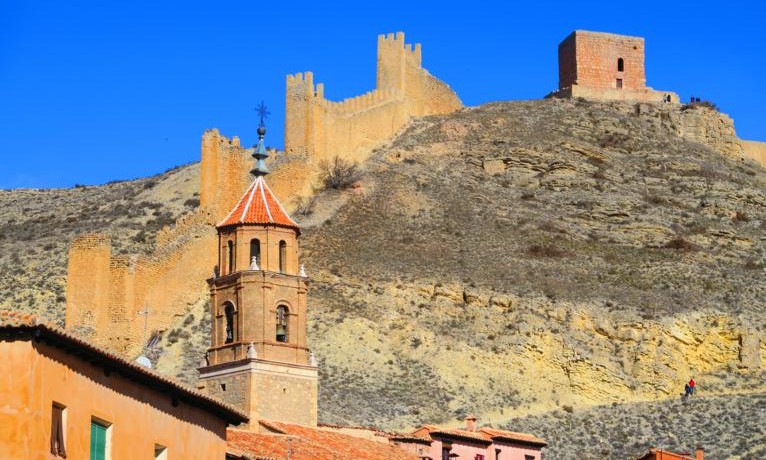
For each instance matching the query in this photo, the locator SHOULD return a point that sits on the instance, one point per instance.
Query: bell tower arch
(258, 359)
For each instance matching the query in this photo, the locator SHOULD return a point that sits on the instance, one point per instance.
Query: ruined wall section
(105, 293)
(321, 129)
(712, 128)
(755, 151)
(88, 281)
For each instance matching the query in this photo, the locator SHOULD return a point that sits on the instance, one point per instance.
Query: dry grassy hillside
(36, 226)
(513, 259)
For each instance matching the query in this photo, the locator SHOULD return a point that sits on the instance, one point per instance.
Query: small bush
(681, 245)
(538, 250)
(304, 206)
(192, 203)
(740, 216)
(707, 104)
(339, 174)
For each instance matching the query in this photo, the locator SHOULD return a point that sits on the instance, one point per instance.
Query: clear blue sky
(100, 90)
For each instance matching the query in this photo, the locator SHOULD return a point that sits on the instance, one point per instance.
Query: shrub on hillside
(338, 173)
(707, 104)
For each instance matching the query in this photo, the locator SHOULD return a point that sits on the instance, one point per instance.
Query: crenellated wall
(224, 173)
(321, 129)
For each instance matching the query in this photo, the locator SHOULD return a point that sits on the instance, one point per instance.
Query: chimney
(699, 453)
(470, 422)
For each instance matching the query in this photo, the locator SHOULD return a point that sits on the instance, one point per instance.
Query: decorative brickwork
(597, 65)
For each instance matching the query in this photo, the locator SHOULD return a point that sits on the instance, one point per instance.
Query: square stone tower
(598, 65)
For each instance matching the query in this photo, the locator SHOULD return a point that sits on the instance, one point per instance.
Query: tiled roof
(311, 443)
(485, 435)
(514, 436)
(463, 434)
(55, 336)
(654, 454)
(258, 206)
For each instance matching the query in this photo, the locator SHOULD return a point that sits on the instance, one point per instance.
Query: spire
(260, 154)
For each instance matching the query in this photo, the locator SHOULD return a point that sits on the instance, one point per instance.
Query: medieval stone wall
(322, 129)
(755, 151)
(105, 293)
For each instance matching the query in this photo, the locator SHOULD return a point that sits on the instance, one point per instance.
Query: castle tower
(604, 66)
(258, 358)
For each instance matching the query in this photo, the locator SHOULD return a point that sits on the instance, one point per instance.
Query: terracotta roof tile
(59, 337)
(258, 206)
(482, 435)
(310, 443)
(514, 436)
(475, 435)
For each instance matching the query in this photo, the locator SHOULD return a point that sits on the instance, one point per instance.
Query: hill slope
(510, 259)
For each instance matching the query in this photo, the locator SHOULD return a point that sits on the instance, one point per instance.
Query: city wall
(755, 151)
(321, 128)
(105, 293)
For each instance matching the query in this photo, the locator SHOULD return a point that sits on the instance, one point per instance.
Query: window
(58, 430)
(283, 316)
(230, 313)
(620, 65)
(160, 452)
(231, 257)
(282, 256)
(99, 440)
(619, 83)
(255, 251)
(529, 457)
(479, 457)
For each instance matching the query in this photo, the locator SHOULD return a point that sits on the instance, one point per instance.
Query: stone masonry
(597, 65)
(106, 293)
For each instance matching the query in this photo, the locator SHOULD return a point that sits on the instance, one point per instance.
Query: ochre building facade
(57, 391)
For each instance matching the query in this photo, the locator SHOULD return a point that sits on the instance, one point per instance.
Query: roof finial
(260, 154)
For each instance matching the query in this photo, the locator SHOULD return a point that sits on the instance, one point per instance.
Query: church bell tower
(258, 358)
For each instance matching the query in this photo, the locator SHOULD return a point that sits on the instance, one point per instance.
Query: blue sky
(98, 91)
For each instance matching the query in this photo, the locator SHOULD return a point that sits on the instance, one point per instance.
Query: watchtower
(598, 65)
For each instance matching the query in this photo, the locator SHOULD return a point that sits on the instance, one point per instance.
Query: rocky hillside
(518, 260)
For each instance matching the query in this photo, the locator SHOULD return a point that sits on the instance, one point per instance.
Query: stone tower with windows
(258, 358)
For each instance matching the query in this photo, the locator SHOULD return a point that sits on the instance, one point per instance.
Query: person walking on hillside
(692, 386)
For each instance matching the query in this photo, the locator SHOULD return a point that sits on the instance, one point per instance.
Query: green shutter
(97, 441)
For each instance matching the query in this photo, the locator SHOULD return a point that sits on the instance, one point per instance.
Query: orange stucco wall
(34, 375)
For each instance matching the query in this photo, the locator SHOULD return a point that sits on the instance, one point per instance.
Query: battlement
(318, 127)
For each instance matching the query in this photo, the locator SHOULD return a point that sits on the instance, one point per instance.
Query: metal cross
(263, 112)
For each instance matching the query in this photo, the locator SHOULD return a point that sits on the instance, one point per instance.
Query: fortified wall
(322, 128)
(106, 293)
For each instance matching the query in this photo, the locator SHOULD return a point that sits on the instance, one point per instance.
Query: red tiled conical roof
(258, 206)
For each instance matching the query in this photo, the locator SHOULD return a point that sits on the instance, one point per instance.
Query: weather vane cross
(263, 112)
